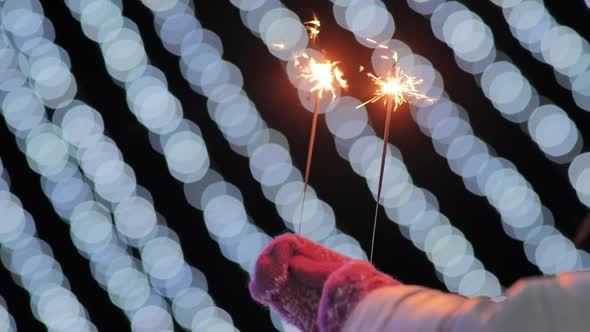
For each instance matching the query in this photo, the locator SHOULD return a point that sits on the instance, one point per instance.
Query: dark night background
(267, 85)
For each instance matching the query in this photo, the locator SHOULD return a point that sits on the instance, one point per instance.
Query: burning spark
(372, 41)
(279, 46)
(398, 85)
(324, 76)
(313, 28)
(361, 68)
(383, 47)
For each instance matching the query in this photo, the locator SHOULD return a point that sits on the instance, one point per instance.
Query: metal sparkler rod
(382, 170)
(314, 123)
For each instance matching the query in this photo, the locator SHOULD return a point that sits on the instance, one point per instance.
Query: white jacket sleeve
(559, 304)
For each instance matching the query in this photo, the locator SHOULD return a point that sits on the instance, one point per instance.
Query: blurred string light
(7, 323)
(136, 221)
(33, 267)
(414, 209)
(322, 76)
(90, 223)
(271, 165)
(236, 116)
(270, 162)
(91, 229)
(555, 44)
(523, 215)
(509, 91)
(239, 121)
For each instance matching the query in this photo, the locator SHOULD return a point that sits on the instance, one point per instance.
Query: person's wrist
(344, 289)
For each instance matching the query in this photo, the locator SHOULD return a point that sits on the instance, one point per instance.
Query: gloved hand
(311, 286)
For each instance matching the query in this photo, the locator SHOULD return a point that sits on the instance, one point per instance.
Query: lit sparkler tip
(315, 21)
(324, 76)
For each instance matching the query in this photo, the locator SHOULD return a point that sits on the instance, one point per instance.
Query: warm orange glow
(397, 85)
(313, 28)
(324, 76)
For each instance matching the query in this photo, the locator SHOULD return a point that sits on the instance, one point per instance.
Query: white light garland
(510, 92)
(33, 267)
(550, 42)
(115, 182)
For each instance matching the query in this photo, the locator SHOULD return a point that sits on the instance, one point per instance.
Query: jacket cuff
(344, 289)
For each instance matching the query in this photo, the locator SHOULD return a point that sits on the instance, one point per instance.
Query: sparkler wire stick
(323, 76)
(382, 170)
(314, 123)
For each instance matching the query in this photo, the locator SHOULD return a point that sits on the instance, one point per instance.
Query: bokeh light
(557, 45)
(502, 82)
(102, 162)
(33, 268)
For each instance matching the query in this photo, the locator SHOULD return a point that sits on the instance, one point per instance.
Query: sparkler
(323, 76)
(394, 89)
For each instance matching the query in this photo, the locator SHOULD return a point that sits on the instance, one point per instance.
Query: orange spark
(324, 76)
(397, 85)
(313, 28)
(279, 46)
